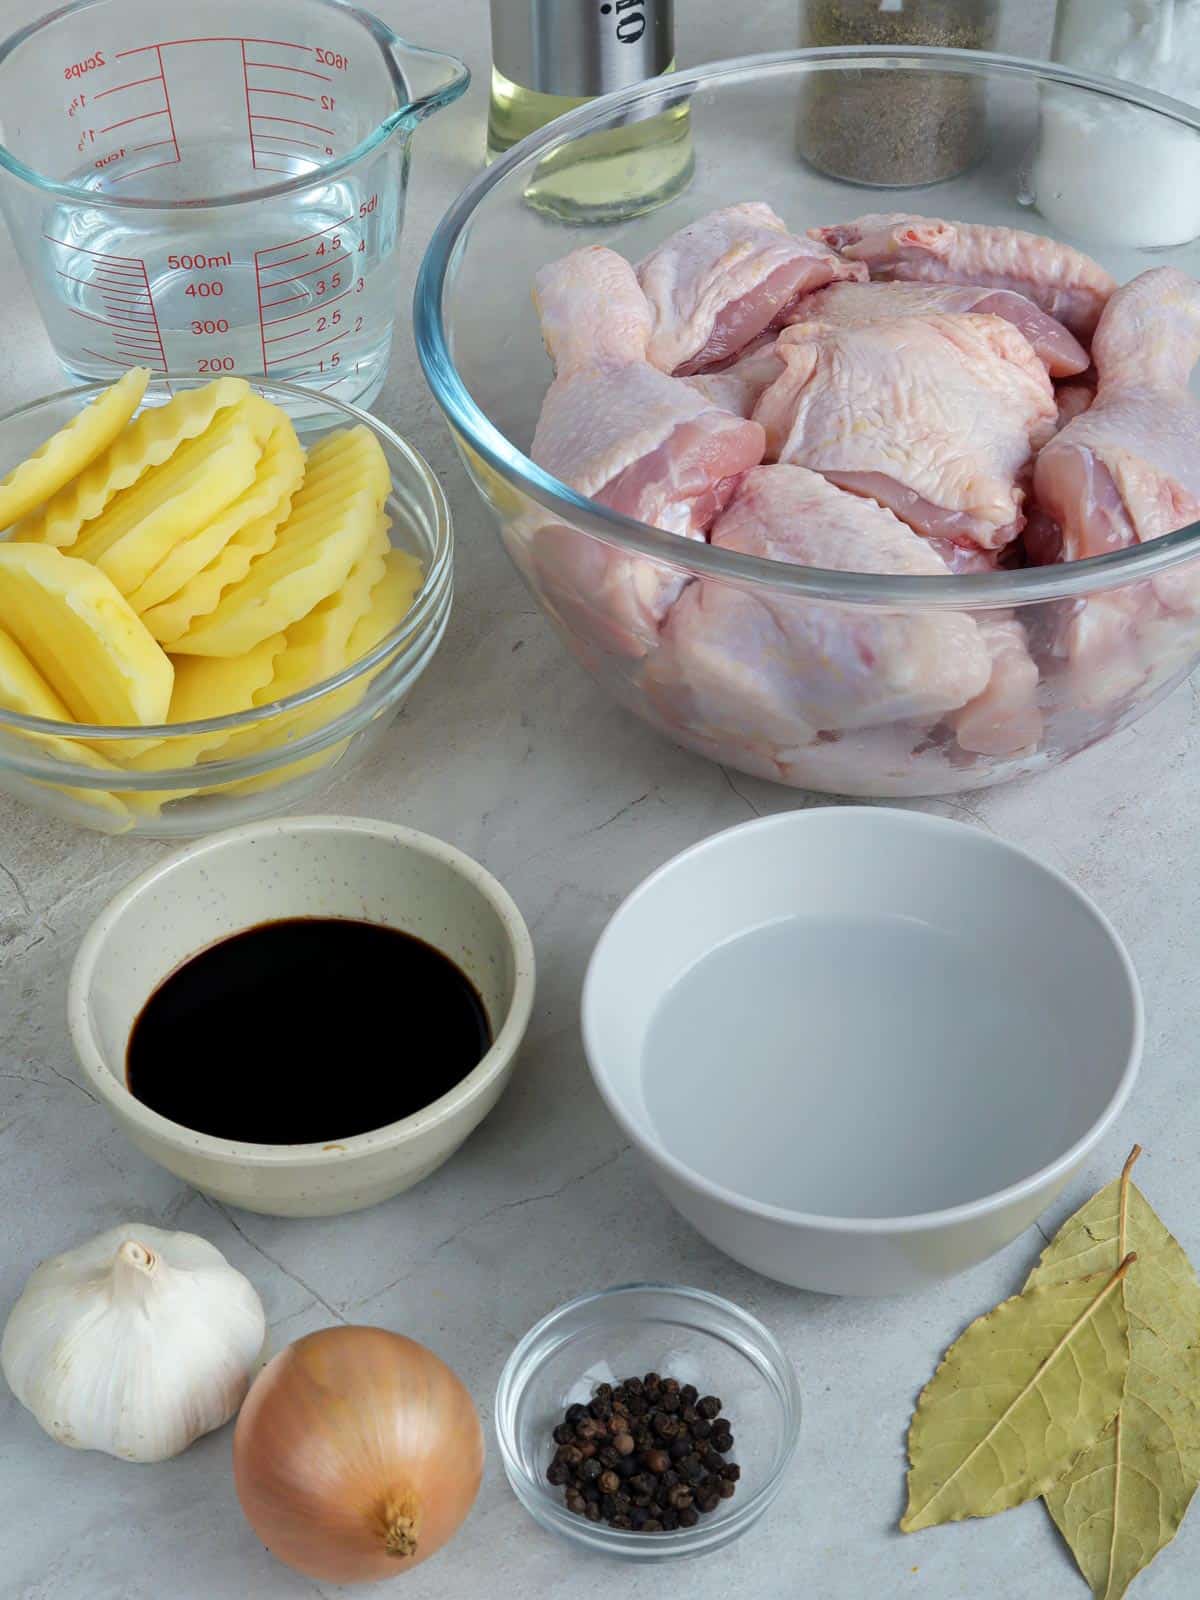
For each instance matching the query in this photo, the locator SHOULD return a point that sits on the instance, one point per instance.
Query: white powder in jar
(1115, 173)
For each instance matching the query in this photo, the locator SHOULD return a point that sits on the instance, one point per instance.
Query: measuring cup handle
(431, 79)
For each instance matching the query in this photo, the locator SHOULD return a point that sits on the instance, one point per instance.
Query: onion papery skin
(357, 1454)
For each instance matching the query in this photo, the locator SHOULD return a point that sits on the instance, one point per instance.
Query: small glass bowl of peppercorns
(648, 1421)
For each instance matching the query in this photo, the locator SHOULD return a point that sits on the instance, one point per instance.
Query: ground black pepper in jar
(894, 127)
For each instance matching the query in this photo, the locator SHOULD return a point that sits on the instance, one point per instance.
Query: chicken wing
(898, 247)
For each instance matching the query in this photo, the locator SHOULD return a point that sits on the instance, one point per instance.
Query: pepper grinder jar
(549, 56)
(894, 128)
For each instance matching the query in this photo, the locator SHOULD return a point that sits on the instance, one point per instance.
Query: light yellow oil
(601, 177)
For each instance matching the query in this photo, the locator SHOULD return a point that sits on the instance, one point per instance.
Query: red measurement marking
(216, 38)
(286, 94)
(303, 239)
(303, 256)
(121, 177)
(295, 122)
(280, 337)
(286, 301)
(167, 97)
(99, 355)
(263, 167)
(326, 266)
(275, 66)
(294, 355)
(104, 255)
(292, 315)
(157, 145)
(132, 84)
(249, 118)
(124, 123)
(281, 138)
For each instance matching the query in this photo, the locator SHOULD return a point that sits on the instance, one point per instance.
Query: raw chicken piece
(616, 429)
(759, 676)
(875, 302)
(935, 417)
(1072, 400)
(897, 246)
(719, 283)
(592, 311)
(739, 387)
(1004, 720)
(1128, 468)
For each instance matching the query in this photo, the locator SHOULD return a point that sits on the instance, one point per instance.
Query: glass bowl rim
(405, 117)
(698, 558)
(770, 1359)
(425, 606)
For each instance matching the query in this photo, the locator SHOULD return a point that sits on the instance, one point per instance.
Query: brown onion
(357, 1454)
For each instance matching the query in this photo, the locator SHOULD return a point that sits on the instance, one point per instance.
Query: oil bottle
(549, 56)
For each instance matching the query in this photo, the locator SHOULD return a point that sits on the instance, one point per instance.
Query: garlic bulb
(135, 1343)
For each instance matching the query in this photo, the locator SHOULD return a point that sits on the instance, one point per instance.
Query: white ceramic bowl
(302, 866)
(862, 1049)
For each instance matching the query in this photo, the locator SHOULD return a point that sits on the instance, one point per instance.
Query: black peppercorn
(669, 1478)
(702, 1428)
(709, 1407)
(707, 1502)
(670, 1400)
(722, 1443)
(558, 1473)
(576, 1414)
(600, 1409)
(623, 1444)
(665, 1425)
(608, 1483)
(652, 1525)
(590, 1470)
(587, 1449)
(563, 1434)
(608, 1457)
(726, 1488)
(575, 1501)
(670, 1519)
(680, 1448)
(643, 1483)
(680, 1497)
(620, 1521)
(731, 1471)
(626, 1466)
(689, 1394)
(689, 1517)
(656, 1461)
(652, 1381)
(585, 1428)
(592, 1511)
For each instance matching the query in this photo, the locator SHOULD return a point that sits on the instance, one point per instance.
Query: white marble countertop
(510, 752)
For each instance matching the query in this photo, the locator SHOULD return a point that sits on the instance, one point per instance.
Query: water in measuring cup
(301, 288)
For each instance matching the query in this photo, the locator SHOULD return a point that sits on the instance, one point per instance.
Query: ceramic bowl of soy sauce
(304, 1017)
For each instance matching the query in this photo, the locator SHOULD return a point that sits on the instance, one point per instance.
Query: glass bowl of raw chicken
(209, 608)
(881, 491)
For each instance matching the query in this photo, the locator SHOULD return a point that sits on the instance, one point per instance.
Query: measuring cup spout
(432, 79)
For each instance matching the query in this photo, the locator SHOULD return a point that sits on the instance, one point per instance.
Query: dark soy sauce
(306, 1031)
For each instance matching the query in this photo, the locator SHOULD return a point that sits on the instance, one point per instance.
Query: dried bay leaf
(1017, 1399)
(1126, 1496)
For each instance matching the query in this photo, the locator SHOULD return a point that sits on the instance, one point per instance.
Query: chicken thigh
(1127, 468)
(895, 246)
(719, 283)
(1058, 348)
(616, 429)
(752, 676)
(934, 417)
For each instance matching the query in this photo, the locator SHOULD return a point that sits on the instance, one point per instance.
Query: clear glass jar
(888, 128)
(1152, 181)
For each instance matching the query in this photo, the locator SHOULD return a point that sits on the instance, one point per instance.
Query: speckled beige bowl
(302, 866)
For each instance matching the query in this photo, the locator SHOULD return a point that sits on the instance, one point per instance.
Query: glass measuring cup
(215, 188)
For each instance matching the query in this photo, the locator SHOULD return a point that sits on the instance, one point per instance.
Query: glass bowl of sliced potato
(206, 615)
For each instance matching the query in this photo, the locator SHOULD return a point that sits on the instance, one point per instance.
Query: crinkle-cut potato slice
(172, 619)
(278, 476)
(391, 601)
(331, 524)
(147, 442)
(24, 690)
(207, 687)
(171, 503)
(318, 645)
(66, 453)
(83, 637)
